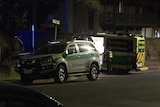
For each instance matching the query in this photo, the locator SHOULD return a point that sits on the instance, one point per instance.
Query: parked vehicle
(59, 60)
(140, 51)
(13, 95)
(127, 51)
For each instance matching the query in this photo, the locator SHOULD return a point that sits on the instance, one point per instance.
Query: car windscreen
(48, 49)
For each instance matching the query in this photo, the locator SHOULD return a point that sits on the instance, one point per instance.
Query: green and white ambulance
(59, 60)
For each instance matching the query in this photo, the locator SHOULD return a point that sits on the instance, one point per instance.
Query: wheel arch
(62, 63)
(96, 63)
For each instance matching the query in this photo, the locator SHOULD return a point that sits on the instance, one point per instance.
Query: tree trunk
(5, 55)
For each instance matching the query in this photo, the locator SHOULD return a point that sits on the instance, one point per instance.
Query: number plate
(27, 71)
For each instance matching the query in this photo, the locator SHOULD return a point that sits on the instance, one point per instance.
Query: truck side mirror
(65, 54)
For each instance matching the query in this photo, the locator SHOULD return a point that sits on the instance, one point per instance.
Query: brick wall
(152, 48)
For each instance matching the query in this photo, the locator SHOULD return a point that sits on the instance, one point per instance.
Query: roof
(57, 43)
(79, 41)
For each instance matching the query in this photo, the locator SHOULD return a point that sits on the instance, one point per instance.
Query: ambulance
(140, 53)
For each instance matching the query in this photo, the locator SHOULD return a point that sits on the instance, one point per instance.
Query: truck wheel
(93, 73)
(25, 80)
(61, 74)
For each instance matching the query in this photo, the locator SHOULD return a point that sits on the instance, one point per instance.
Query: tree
(19, 14)
(13, 14)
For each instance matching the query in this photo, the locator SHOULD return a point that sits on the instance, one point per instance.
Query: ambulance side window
(72, 49)
(82, 48)
(91, 48)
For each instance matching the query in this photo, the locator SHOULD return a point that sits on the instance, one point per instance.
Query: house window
(120, 7)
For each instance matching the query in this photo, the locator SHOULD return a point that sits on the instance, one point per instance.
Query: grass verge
(13, 76)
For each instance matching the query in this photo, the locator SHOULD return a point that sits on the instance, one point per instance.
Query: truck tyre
(93, 73)
(61, 74)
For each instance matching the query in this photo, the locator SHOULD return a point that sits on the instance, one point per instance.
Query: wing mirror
(65, 54)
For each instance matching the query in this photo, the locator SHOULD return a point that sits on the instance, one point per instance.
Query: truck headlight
(49, 60)
(33, 61)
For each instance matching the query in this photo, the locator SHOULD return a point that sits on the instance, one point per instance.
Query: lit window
(120, 9)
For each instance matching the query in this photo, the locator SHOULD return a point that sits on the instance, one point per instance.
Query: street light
(56, 22)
